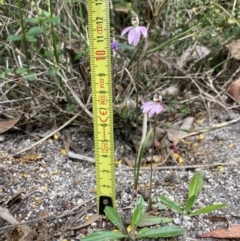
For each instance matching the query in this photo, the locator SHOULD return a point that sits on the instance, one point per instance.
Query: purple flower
(114, 45)
(151, 107)
(134, 32)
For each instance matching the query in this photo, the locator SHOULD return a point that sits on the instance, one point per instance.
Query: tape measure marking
(101, 81)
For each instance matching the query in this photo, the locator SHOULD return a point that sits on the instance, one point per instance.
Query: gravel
(52, 185)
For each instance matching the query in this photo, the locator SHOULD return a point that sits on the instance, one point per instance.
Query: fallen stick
(80, 157)
(45, 138)
(182, 167)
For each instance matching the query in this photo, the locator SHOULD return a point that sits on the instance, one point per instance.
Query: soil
(56, 195)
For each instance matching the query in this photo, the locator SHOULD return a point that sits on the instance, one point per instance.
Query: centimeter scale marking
(101, 81)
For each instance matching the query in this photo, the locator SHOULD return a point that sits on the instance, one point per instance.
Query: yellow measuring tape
(101, 81)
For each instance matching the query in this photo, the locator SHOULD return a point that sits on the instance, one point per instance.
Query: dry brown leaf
(22, 233)
(195, 54)
(174, 135)
(120, 90)
(6, 125)
(92, 219)
(233, 232)
(4, 213)
(234, 48)
(234, 89)
(31, 158)
(171, 91)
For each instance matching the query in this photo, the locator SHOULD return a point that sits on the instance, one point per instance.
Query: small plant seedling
(193, 190)
(138, 220)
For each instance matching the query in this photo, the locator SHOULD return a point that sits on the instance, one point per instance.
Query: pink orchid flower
(151, 107)
(134, 32)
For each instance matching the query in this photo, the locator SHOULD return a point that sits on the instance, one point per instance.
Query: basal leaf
(114, 217)
(152, 220)
(171, 204)
(195, 184)
(163, 232)
(138, 212)
(190, 203)
(103, 236)
(208, 209)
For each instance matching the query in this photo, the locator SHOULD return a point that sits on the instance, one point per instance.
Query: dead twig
(182, 167)
(46, 137)
(70, 212)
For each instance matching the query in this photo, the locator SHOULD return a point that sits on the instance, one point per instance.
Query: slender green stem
(53, 34)
(151, 168)
(137, 93)
(24, 32)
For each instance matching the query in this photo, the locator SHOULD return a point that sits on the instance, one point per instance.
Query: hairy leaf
(208, 209)
(138, 212)
(195, 184)
(163, 232)
(152, 220)
(171, 204)
(103, 236)
(114, 217)
(190, 203)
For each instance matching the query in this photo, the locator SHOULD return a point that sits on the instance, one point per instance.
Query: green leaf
(34, 31)
(190, 203)
(152, 220)
(53, 20)
(126, 47)
(163, 232)
(45, 13)
(171, 204)
(21, 70)
(70, 108)
(114, 217)
(31, 76)
(31, 39)
(195, 184)
(14, 38)
(102, 236)
(140, 153)
(208, 209)
(160, 206)
(138, 212)
(32, 20)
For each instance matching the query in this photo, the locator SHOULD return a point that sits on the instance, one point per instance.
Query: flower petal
(143, 31)
(158, 109)
(137, 35)
(147, 104)
(151, 113)
(147, 107)
(125, 30)
(131, 36)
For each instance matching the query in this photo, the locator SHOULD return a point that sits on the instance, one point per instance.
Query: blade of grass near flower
(208, 209)
(190, 203)
(163, 232)
(195, 184)
(102, 236)
(171, 204)
(140, 155)
(152, 220)
(138, 212)
(114, 217)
